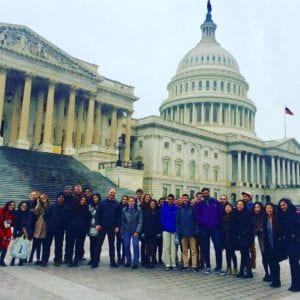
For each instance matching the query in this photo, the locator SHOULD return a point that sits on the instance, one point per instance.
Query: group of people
(154, 231)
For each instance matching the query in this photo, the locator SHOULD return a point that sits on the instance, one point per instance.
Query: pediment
(25, 42)
(290, 145)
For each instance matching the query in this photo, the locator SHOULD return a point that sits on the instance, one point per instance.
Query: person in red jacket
(7, 219)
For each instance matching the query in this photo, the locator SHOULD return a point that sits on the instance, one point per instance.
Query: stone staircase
(23, 170)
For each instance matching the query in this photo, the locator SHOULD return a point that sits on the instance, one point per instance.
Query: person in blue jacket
(168, 222)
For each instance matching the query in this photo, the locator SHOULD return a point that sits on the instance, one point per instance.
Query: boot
(249, 273)
(2, 257)
(12, 262)
(241, 272)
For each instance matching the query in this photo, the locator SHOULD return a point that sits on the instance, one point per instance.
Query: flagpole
(284, 123)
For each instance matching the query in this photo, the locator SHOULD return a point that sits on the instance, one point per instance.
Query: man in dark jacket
(209, 214)
(187, 229)
(55, 218)
(108, 218)
(69, 198)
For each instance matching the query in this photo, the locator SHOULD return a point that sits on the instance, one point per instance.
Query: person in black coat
(55, 218)
(244, 227)
(151, 232)
(24, 225)
(108, 219)
(289, 221)
(78, 224)
(229, 238)
(272, 243)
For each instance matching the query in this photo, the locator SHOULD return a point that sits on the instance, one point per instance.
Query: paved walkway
(33, 282)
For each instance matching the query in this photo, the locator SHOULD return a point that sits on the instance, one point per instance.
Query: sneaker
(275, 285)
(207, 270)
(234, 272)
(174, 269)
(267, 278)
(229, 271)
(134, 267)
(195, 270)
(57, 263)
(294, 289)
(44, 264)
(168, 269)
(38, 262)
(183, 269)
(222, 273)
(94, 266)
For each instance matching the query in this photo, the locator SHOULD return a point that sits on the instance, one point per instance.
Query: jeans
(215, 235)
(58, 238)
(76, 240)
(93, 248)
(128, 236)
(169, 249)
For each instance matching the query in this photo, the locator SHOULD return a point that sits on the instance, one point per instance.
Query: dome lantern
(208, 27)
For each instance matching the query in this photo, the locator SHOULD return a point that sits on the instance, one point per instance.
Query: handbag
(20, 248)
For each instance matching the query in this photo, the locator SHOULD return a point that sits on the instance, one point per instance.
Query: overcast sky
(141, 42)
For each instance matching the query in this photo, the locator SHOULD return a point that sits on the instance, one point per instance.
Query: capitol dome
(208, 90)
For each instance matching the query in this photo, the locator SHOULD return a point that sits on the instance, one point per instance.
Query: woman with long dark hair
(151, 232)
(78, 225)
(258, 213)
(244, 227)
(289, 221)
(229, 239)
(93, 233)
(7, 219)
(23, 225)
(273, 246)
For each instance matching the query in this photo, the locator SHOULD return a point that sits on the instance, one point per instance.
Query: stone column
(3, 73)
(202, 114)
(243, 117)
(90, 121)
(252, 168)
(263, 161)
(39, 118)
(79, 124)
(239, 168)
(98, 124)
(221, 114)
(22, 141)
(15, 119)
(69, 148)
(237, 119)
(246, 168)
(47, 142)
(258, 170)
(113, 127)
(278, 171)
(293, 173)
(177, 113)
(297, 173)
(273, 171)
(229, 168)
(229, 115)
(128, 137)
(283, 171)
(184, 114)
(60, 121)
(194, 114)
(211, 114)
(288, 172)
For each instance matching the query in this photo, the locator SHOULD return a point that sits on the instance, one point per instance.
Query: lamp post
(120, 145)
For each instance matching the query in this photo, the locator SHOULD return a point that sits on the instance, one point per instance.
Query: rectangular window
(215, 155)
(228, 87)
(166, 164)
(186, 87)
(216, 177)
(179, 148)
(176, 90)
(206, 153)
(180, 89)
(205, 174)
(166, 145)
(166, 189)
(234, 88)
(177, 193)
(222, 86)
(178, 169)
(193, 85)
(215, 114)
(140, 144)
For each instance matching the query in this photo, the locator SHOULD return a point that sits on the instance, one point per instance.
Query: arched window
(200, 85)
(215, 85)
(207, 85)
(180, 89)
(228, 87)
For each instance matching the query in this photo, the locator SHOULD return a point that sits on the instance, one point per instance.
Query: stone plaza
(34, 282)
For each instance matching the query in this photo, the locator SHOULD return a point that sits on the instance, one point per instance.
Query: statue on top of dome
(209, 7)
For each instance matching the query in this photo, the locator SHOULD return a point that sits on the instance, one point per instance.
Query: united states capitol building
(204, 137)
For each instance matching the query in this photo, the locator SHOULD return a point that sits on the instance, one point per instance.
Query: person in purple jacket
(209, 214)
(168, 221)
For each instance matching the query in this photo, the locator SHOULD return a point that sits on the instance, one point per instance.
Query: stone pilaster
(113, 127)
(128, 137)
(60, 125)
(98, 124)
(79, 125)
(90, 121)
(39, 118)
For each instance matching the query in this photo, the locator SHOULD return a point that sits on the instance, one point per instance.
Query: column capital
(129, 112)
(3, 69)
(73, 88)
(52, 82)
(29, 75)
